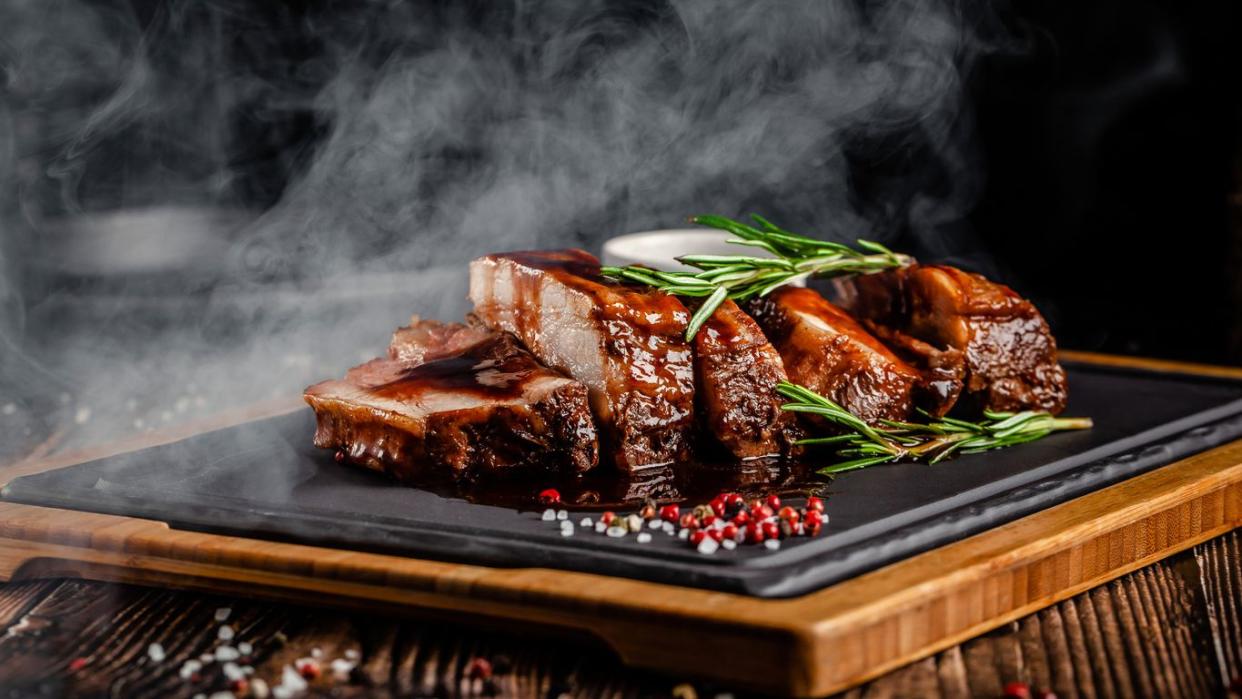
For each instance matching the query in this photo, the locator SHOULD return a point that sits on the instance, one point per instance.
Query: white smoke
(443, 131)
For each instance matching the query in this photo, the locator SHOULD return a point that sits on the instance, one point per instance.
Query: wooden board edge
(838, 637)
(1059, 583)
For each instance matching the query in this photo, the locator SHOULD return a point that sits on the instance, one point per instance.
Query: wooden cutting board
(809, 645)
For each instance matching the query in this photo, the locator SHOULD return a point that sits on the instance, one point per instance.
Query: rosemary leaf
(742, 277)
(863, 445)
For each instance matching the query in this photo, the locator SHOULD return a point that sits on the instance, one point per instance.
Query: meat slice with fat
(625, 343)
(829, 352)
(474, 408)
(737, 371)
(1008, 354)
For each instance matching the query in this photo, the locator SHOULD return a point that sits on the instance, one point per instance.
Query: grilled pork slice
(827, 351)
(625, 343)
(1008, 354)
(942, 370)
(426, 340)
(737, 370)
(486, 409)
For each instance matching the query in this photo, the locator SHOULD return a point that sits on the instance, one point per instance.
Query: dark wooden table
(1173, 629)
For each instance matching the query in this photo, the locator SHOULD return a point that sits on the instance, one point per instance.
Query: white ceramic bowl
(658, 249)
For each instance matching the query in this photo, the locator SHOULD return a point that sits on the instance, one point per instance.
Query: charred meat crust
(624, 343)
(1008, 352)
(737, 371)
(827, 351)
(488, 410)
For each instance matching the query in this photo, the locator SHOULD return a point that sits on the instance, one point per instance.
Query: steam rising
(209, 203)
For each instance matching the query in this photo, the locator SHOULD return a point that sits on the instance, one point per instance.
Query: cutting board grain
(810, 645)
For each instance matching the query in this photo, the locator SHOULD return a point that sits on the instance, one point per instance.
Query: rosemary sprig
(863, 445)
(741, 277)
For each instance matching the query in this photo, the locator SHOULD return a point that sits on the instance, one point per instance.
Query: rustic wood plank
(1077, 647)
(1220, 566)
(862, 627)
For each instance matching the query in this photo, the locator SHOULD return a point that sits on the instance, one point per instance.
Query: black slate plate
(264, 479)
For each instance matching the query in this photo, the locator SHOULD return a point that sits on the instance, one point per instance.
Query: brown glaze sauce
(686, 483)
(485, 379)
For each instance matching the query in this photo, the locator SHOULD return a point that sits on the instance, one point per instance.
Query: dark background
(210, 203)
(1108, 143)
(1112, 159)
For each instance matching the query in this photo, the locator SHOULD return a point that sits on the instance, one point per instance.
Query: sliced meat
(942, 370)
(827, 351)
(426, 340)
(625, 343)
(1008, 353)
(489, 409)
(737, 370)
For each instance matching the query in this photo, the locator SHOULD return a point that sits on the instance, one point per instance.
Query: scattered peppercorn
(308, 668)
(1017, 690)
(754, 533)
(550, 496)
(479, 669)
(670, 513)
(814, 503)
(773, 502)
(771, 530)
(77, 664)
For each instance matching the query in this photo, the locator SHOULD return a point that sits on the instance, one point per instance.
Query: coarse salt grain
(549, 515)
(341, 668)
(222, 695)
(225, 633)
(683, 534)
(316, 652)
(233, 671)
(600, 527)
(245, 648)
(669, 528)
(772, 544)
(292, 680)
(155, 652)
(353, 654)
(567, 532)
(259, 689)
(189, 668)
(656, 524)
(82, 415)
(222, 614)
(206, 658)
(708, 546)
(615, 532)
(586, 522)
(644, 538)
(9, 408)
(729, 544)
(227, 653)
(562, 515)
